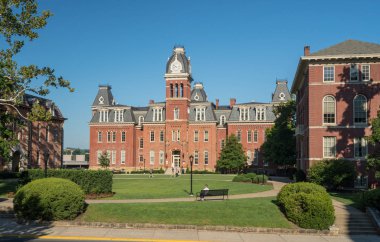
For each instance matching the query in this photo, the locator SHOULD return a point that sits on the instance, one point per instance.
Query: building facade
(165, 134)
(338, 94)
(40, 142)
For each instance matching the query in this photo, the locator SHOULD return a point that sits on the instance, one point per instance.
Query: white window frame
(157, 114)
(103, 116)
(324, 71)
(323, 109)
(249, 157)
(98, 154)
(123, 136)
(141, 143)
(151, 136)
(109, 137)
(206, 158)
(151, 157)
(176, 113)
(196, 157)
(360, 143)
(256, 157)
(100, 136)
(255, 136)
(249, 136)
(365, 110)
(238, 135)
(162, 136)
(196, 135)
(162, 157)
(200, 114)
(260, 113)
(119, 115)
(357, 72)
(122, 157)
(222, 120)
(327, 141)
(141, 120)
(244, 113)
(206, 136)
(114, 137)
(369, 72)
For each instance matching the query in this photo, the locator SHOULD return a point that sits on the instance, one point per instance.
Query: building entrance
(176, 159)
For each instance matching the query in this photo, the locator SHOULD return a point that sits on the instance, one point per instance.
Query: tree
(280, 144)
(20, 21)
(104, 160)
(232, 157)
(373, 161)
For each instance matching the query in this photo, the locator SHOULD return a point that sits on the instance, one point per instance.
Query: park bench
(221, 193)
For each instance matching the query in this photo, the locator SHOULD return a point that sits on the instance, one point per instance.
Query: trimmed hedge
(250, 177)
(49, 199)
(372, 199)
(306, 204)
(91, 181)
(160, 171)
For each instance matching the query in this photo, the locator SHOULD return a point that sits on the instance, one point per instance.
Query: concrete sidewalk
(10, 228)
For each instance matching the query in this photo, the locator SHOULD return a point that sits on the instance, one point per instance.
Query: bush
(49, 199)
(300, 176)
(91, 182)
(241, 178)
(307, 205)
(250, 177)
(333, 173)
(372, 199)
(160, 171)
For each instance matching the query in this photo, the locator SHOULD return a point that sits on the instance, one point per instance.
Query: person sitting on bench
(205, 189)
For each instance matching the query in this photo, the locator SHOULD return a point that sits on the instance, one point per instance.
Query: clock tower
(178, 92)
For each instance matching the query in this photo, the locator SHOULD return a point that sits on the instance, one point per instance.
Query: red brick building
(338, 93)
(165, 134)
(39, 142)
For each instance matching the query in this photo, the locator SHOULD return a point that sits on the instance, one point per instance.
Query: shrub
(372, 198)
(241, 178)
(307, 205)
(300, 176)
(90, 181)
(333, 173)
(160, 171)
(49, 199)
(250, 177)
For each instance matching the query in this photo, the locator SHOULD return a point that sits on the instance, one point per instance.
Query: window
(200, 114)
(141, 120)
(260, 113)
(119, 115)
(328, 73)
(222, 120)
(249, 157)
(98, 155)
(181, 90)
(176, 135)
(206, 157)
(113, 157)
(55, 135)
(255, 136)
(100, 137)
(123, 136)
(176, 113)
(354, 75)
(360, 109)
(161, 136)
(157, 114)
(151, 157)
(141, 158)
(256, 157)
(103, 116)
(360, 146)
(122, 157)
(196, 135)
(206, 136)
(249, 136)
(365, 73)
(238, 135)
(162, 155)
(176, 90)
(114, 137)
(108, 136)
(222, 144)
(329, 110)
(152, 136)
(141, 143)
(196, 157)
(171, 90)
(329, 147)
(264, 135)
(244, 114)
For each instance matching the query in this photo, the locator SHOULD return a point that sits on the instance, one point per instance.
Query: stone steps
(354, 224)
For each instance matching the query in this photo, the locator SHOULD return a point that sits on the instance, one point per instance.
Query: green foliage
(91, 182)
(300, 176)
(333, 173)
(159, 171)
(232, 158)
(250, 177)
(241, 178)
(372, 199)
(280, 144)
(306, 204)
(9, 175)
(104, 160)
(373, 161)
(49, 199)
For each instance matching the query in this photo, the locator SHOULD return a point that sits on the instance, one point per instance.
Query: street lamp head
(191, 158)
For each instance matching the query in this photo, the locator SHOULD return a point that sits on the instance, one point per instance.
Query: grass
(348, 198)
(8, 185)
(162, 186)
(255, 212)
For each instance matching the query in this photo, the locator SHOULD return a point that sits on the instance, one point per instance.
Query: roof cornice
(333, 57)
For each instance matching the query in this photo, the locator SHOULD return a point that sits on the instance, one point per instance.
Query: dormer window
(103, 117)
(141, 120)
(119, 116)
(281, 96)
(260, 113)
(244, 114)
(200, 114)
(222, 120)
(101, 100)
(157, 114)
(354, 73)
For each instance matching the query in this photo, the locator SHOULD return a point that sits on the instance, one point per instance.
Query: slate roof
(349, 47)
(180, 55)
(281, 93)
(29, 100)
(198, 94)
(209, 112)
(104, 96)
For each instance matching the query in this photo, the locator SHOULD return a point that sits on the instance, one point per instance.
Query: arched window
(176, 90)
(360, 109)
(222, 120)
(329, 110)
(171, 90)
(141, 119)
(181, 90)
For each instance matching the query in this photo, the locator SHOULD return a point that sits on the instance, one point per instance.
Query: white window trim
(196, 157)
(357, 69)
(208, 136)
(249, 132)
(162, 134)
(244, 114)
(121, 136)
(151, 157)
(204, 157)
(161, 157)
(150, 136)
(323, 147)
(366, 110)
(100, 134)
(196, 136)
(176, 114)
(356, 144)
(122, 157)
(369, 72)
(324, 73)
(257, 135)
(323, 111)
(222, 120)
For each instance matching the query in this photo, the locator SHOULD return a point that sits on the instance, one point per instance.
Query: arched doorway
(176, 158)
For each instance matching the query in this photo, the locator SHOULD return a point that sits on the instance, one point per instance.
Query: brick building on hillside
(39, 142)
(338, 93)
(165, 134)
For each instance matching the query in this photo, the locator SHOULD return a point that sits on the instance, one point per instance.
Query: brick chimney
(217, 104)
(306, 50)
(232, 102)
(151, 101)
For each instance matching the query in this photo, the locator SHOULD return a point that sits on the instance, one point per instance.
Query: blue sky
(237, 48)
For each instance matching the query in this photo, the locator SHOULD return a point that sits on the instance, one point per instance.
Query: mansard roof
(209, 111)
(179, 56)
(104, 96)
(127, 116)
(281, 93)
(235, 113)
(198, 93)
(149, 114)
(349, 47)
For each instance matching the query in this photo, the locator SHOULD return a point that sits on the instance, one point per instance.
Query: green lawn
(162, 186)
(6, 186)
(255, 212)
(348, 198)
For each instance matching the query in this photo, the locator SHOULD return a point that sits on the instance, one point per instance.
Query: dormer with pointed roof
(178, 63)
(281, 93)
(198, 93)
(104, 96)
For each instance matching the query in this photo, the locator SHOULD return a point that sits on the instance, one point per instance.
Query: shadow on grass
(353, 199)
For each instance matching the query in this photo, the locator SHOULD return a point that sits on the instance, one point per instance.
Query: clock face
(176, 67)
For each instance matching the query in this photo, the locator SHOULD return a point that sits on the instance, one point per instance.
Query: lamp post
(46, 157)
(191, 158)
(144, 165)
